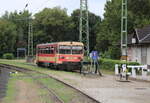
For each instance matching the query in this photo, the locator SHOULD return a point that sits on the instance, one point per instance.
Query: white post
(144, 72)
(116, 69)
(133, 72)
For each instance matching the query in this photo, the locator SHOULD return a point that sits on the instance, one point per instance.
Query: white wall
(134, 53)
(148, 55)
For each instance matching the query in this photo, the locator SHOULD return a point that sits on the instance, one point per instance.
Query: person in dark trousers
(95, 57)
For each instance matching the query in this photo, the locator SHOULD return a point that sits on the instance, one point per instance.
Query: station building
(139, 46)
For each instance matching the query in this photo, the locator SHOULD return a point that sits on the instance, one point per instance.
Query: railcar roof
(61, 43)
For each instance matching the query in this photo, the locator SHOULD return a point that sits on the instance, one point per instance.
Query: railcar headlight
(62, 57)
(79, 58)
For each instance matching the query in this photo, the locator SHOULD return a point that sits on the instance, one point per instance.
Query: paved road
(108, 90)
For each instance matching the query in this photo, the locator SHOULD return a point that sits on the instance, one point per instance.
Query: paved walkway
(147, 78)
(108, 90)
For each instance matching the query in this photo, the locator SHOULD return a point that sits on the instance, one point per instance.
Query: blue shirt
(95, 55)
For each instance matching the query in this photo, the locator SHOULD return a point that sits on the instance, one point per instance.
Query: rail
(25, 70)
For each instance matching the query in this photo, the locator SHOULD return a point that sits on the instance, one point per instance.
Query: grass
(105, 71)
(22, 63)
(62, 91)
(10, 94)
(30, 66)
(12, 89)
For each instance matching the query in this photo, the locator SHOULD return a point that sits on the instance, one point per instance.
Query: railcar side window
(51, 50)
(46, 50)
(37, 50)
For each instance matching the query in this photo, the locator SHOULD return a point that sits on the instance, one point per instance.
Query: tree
(110, 30)
(21, 20)
(8, 36)
(94, 23)
(51, 25)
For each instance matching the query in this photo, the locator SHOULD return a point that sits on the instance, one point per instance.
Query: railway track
(28, 72)
(52, 93)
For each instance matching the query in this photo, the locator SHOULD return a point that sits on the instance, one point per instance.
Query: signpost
(21, 50)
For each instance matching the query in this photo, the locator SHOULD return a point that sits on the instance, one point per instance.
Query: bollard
(144, 73)
(116, 69)
(133, 72)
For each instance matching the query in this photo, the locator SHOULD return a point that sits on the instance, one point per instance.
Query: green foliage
(109, 64)
(109, 33)
(13, 31)
(51, 25)
(7, 36)
(94, 24)
(54, 24)
(8, 56)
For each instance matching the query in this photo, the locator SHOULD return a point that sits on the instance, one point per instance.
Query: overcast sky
(95, 6)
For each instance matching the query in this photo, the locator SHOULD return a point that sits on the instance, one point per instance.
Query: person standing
(95, 60)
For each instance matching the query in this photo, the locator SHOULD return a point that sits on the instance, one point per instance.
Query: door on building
(144, 55)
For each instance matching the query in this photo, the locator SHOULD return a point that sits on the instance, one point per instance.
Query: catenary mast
(84, 24)
(124, 30)
(30, 38)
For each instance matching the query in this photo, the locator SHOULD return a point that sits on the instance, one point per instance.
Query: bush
(109, 64)
(8, 56)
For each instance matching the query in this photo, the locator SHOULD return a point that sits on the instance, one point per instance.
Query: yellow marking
(69, 43)
(46, 58)
(63, 43)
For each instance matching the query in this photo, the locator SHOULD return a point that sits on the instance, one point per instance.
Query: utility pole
(84, 24)
(124, 30)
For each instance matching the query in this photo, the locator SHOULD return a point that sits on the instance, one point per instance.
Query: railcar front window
(65, 49)
(77, 49)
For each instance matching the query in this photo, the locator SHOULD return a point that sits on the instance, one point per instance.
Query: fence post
(144, 72)
(116, 69)
(133, 72)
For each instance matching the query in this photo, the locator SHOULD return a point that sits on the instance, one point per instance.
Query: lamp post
(30, 57)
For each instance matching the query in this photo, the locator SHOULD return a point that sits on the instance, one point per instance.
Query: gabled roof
(142, 35)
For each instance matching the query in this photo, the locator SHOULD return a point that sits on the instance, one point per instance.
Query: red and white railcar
(62, 55)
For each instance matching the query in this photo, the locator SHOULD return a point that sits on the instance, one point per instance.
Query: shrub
(110, 64)
(8, 56)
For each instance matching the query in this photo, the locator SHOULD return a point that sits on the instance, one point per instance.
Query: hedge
(109, 64)
(8, 56)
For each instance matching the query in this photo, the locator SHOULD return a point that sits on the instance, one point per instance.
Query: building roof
(142, 35)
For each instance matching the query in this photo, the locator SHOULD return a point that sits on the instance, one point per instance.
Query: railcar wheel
(39, 64)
